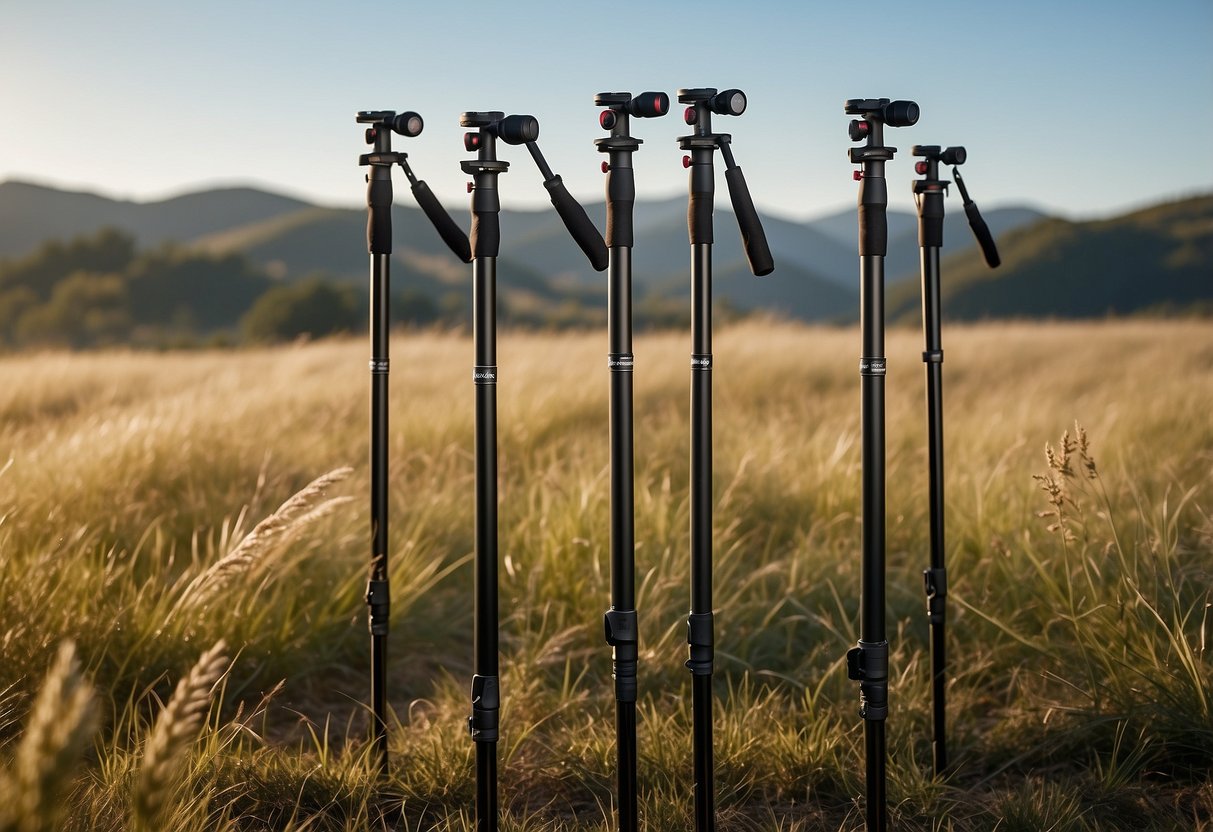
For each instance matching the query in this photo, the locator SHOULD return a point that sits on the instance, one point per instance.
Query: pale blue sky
(1084, 109)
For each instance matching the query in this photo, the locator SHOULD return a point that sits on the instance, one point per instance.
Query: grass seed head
(176, 729)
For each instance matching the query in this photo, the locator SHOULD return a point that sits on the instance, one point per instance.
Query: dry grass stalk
(175, 731)
(305, 507)
(60, 724)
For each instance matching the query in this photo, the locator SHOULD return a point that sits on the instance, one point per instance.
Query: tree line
(100, 290)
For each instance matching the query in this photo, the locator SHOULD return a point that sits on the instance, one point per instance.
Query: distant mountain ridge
(1158, 259)
(816, 261)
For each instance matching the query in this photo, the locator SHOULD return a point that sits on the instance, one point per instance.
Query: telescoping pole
(484, 722)
(622, 630)
(929, 193)
(868, 663)
(702, 144)
(379, 242)
(486, 244)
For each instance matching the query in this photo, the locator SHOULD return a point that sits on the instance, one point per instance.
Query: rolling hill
(1156, 259)
(1150, 259)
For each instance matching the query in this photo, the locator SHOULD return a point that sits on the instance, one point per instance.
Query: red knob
(686, 161)
(606, 166)
(471, 187)
(689, 115)
(857, 175)
(920, 168)
(606, 119)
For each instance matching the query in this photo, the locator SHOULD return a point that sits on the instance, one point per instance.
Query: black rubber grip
(700, 202)
(486, 233)
(578, 224)
(984, 237)
(873, 219)
(930, 220)
(379, 213)
(621, 203)
(752, 236)
(699, 217)
(451, 233)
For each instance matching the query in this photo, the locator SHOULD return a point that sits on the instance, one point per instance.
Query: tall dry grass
(1079, 681)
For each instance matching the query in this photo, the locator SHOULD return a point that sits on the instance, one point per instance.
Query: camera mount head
(932, 155)
(620, 145)
(875, 114)
(705, 101)
(485, 168)
(702, 144)
(408, 123)
(931, 187)
(619, 106)
(379, 182)
(496, 124)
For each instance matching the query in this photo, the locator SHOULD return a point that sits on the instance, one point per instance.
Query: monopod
(868, 663)
(485, 244)
(929, 193)
(702, 145)
(379, 242)
(622, 630)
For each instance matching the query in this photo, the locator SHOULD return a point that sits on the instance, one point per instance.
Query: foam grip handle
(621, 202)
(873, 218)
(930, 220)
(451, 233)
(486, 233)
(752, 236)
(578, 224)
(699, 217)
(984, 237)
(379, 213)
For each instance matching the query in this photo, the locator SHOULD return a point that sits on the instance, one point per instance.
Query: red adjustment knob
(606, 166)
(471, 141)
(370, 135)
(471, 187)
(607, 119)
(857, 175)
(686, 161)
(689, 115)
(920, 168)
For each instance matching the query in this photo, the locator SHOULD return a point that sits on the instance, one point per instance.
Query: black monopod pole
(868, 663)
(484, 722)
(929, 193)
(379, 241)
(622, 630)
(702, 144)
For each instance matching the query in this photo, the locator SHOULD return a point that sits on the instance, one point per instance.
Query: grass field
(1080, 683)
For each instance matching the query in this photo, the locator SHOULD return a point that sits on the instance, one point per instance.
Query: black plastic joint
(486, 708)
(935, 582)
(933, 356)
(380, 603)
(622, 633)
(868, 664)
(699, 637)
(621, 627)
